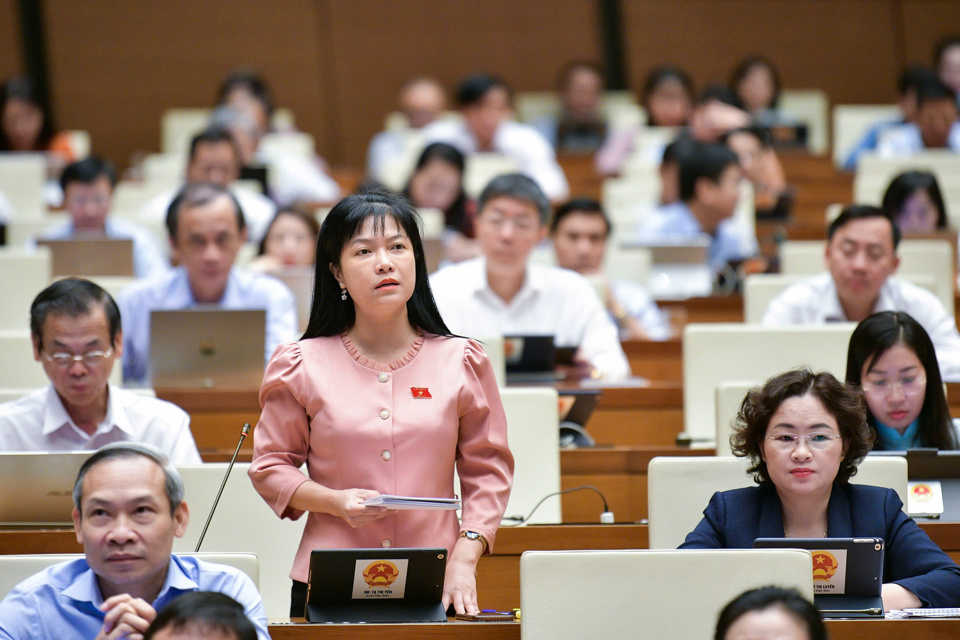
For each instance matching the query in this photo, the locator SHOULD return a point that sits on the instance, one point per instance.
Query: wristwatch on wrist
(473, 535)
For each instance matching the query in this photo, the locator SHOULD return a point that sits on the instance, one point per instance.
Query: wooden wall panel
(11, 56)
(925, 22)
(377, 45)
(844, 47)
(115, 66)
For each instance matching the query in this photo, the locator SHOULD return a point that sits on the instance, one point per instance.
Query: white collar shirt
(551, 301)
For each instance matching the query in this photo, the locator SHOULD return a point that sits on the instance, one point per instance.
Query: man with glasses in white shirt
(75, 329)
(502, 293)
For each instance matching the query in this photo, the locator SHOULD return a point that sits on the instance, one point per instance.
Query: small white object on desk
(951, 612)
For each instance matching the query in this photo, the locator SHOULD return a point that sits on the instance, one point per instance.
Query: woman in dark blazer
(806, 433)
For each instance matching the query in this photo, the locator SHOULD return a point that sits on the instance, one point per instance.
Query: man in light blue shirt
(206, 229)
(88, 196)
(128, 509)
(709, 190)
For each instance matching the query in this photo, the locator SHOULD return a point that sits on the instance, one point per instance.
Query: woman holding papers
(893, 360)
(805, 434)
(378, 397)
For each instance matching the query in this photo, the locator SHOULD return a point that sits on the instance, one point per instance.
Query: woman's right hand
(353, 511)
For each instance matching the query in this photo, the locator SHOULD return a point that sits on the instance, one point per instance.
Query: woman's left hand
(460, 585)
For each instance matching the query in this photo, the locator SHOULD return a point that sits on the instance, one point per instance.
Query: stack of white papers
(925, 613)
(406, 502)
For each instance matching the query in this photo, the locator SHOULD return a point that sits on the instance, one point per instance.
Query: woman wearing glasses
(893, 360)
(805, 434)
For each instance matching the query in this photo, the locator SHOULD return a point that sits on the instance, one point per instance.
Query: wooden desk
(651, 415)
(710, 309)
(838, 630)
(660, 361)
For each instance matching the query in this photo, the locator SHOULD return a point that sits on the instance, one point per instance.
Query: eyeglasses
(908, 386)
(90, 358)
(520, 223)
(789, 441)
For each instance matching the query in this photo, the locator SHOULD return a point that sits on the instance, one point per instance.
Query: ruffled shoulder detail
(364, 361)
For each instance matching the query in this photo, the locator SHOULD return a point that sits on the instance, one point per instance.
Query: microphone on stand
(243, 434)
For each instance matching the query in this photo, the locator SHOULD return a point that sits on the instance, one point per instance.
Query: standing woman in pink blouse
(379, 397)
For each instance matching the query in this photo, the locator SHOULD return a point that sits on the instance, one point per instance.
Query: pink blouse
(397, 429)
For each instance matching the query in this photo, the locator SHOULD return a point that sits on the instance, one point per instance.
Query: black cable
(521, 520)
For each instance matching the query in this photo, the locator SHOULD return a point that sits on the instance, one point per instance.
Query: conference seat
(481, 168)
(810, 107)
(242, 523)
(730, 396)
(22, 178)
(875, 173)
(14, 569)
(533, 435)
(679, 489)
(720, 352)
(24, 273)
(852, 121)
(646, 594)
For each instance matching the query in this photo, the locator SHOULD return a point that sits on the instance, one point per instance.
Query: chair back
(242, 523)
(679, 489)
(720, 352)
(646, 594)
(22, 178)
(811, 107)
(24, 274)
(851, 122)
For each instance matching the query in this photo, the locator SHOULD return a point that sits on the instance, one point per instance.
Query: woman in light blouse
(379, 397)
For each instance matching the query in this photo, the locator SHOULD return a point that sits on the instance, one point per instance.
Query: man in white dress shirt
(206, 228)
(75, 327)
(501, 293)
(214, 158)
(861, 259)
(485, 102)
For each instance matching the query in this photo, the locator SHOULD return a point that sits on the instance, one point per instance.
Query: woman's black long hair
(329, 315)
(872, 338)
(23, 88)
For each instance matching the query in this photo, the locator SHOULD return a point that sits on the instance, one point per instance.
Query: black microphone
(243, 434)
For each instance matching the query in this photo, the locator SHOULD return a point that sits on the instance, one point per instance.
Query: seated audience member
(669, 169)
(290, 241)
(502, 293)
(291, 178)
(246, 90)
(914, 201)
(946, 58)
(668, 100)
(422, 101)
(936, 126)
(206, 228)
(907, 86)
(805, 433)
(762, 168)
(75, 328)
(88, 196)
(756, 83)
(580, 230)
(770, 613)
(215, 158)
(486, 127)
(202, 615)
(893, 360)
(128, 508)
(718, 111)
(861, 261)
(437, 183)
(580, 126)
(709, 184)
(25, 126)
(668, 97)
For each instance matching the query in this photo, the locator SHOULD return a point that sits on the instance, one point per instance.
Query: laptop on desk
(847, 573)
(530, 358)
(376, 585)
(37, 488)
(95, 256)
(207, 348)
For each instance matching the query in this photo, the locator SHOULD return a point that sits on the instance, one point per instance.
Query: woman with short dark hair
(805, 434)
